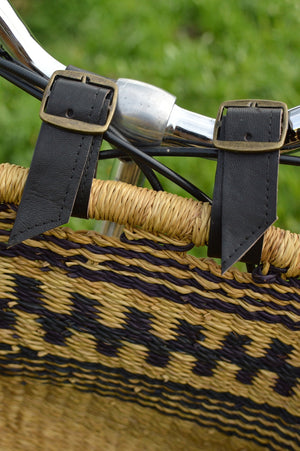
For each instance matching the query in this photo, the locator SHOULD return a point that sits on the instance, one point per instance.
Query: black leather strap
(104, 97)
(64, 161)
(245, 194)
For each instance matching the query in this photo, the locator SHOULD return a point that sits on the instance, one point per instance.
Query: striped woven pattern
(141, 321)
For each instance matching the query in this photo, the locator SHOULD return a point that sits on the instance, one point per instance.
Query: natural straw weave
(133, 344)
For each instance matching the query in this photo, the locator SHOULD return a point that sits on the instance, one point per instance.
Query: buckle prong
(73, 124)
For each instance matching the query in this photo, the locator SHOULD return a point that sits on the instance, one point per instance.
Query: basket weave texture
(133, 344)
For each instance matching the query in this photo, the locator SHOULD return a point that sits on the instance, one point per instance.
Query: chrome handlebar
(145, 114)
(19, 42)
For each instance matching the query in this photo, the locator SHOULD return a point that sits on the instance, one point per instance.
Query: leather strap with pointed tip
(65, 156)
(245, 194)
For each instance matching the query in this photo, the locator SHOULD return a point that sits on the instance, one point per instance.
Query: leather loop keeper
(245, 194)
(64, 160)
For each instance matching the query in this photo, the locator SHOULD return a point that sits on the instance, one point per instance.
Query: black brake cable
(21, 76)
(210, 153)
(146, 170)
(134, 152)
(19, 69)
(202, 152)
(33, 91)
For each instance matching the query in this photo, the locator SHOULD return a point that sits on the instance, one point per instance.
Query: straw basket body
(133, 344)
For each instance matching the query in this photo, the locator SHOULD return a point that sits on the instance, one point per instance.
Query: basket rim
(160, 213)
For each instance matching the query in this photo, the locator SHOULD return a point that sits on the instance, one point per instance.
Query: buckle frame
(251, 146)
(74, 124)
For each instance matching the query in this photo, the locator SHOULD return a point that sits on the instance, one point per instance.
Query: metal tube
(19, 42)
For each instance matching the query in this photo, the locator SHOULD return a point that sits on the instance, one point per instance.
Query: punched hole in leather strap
(245, 195)
(75, 114)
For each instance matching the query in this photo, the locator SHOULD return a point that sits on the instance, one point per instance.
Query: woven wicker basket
(133, 344)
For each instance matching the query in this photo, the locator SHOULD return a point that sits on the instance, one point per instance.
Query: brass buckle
(73, 124)
(247, 146)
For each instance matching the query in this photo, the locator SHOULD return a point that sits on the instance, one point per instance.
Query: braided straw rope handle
(160, 213)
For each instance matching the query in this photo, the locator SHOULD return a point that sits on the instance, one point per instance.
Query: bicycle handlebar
(18, 40)
(145, 114)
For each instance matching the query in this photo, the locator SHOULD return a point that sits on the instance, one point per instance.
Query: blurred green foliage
(202, 51)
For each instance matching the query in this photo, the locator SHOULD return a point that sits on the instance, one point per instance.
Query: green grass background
(202, 51)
